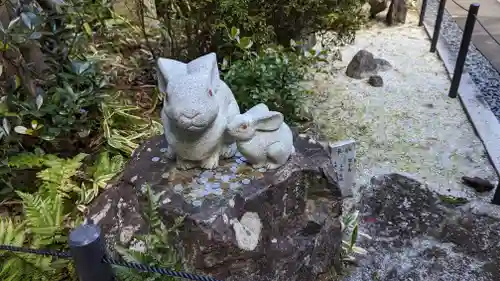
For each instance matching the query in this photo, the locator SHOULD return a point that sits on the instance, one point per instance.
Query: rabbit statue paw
(262, 137)
(196, 110)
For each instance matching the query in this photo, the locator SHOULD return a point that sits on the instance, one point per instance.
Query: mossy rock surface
(240, 223)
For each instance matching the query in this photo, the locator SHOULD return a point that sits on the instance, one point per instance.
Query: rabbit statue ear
(269, 121)
(206, 63)
(258, 110)
(167, 70)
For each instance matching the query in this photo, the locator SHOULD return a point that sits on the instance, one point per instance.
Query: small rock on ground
(376, 81)
(362, 65)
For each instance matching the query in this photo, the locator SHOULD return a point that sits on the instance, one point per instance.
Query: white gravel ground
(409, 125)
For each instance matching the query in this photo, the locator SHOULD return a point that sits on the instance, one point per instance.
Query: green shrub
(193, 28)
(51, 92)
(273, 76)
(51, 212)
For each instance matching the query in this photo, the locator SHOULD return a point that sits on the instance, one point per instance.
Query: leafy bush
(193, 28)
(273, 76)
(51, 212)
(54, 95)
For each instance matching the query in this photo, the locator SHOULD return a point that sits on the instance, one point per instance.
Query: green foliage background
(72, 117)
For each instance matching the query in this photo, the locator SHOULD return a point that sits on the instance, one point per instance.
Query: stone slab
(343, 157)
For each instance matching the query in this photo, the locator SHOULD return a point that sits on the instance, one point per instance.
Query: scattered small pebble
(197, 203)
(312, 141)
(262, 170)
(149, 149)
(218, 191)
(155, 159)
(218, 176)
(178, 187)
(245, 181)
(226, 178)
(133, 179)
(303, 136)
(165, 175)
(234, 185)
(234, 169)
(163, 149)
(202, 180)
(207, 174)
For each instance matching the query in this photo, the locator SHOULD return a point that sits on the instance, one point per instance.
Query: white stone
(262, 137)
(247, 231)
(133, 179)
(343, 157)
(199, 104)
(101, 214)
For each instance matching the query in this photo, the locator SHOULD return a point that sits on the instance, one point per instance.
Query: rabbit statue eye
(210, 92)
(244, 127)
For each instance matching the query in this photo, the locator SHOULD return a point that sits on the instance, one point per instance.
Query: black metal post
(422, 13)
(496, 196)
(437, 25)
(88, 250)
(464, 48)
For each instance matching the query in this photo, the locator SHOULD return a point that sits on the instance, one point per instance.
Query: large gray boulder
(241, 224)
(420, 236)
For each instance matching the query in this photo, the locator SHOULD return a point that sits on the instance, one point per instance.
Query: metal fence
(90, 258)
(471, 20)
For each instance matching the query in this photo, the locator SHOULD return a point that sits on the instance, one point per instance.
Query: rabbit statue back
(196, 110)
(262, 137)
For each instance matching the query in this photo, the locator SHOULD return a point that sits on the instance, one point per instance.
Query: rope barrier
(136, 266)
(479, 22)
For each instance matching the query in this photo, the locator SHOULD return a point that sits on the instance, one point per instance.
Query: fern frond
(10, 233)
(57, 177)
(27, 160)
(151, 213)
(44, 216)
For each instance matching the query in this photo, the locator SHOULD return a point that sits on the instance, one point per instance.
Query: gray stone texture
(241, 223)
(417, 235)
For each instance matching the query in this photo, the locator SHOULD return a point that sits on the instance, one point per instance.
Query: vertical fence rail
(464, 48)
(496, 196)
(437, 25)
(422, 13)
(88, 250)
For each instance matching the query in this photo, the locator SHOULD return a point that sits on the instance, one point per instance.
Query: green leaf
(35, 35)
(39, 101)
(13, 22)
(87, 29)
(27, 20)
(245, 43)
(21, 130)
(235, 32)
(6, 126)
(354, 236)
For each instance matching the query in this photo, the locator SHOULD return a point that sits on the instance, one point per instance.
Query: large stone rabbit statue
(197, 108)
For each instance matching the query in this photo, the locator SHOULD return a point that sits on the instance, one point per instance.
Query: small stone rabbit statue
(262, 137)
